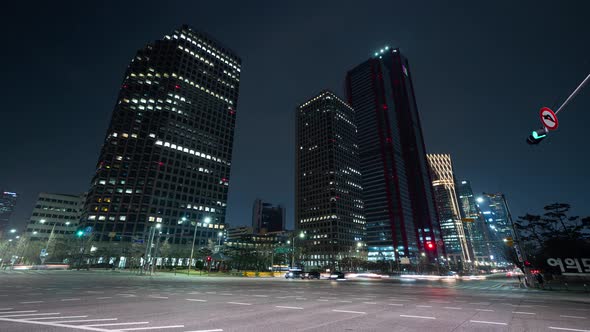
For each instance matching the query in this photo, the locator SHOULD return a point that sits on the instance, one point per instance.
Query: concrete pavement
(98, 301)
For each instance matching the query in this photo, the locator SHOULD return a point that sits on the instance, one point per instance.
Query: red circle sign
(548, 118)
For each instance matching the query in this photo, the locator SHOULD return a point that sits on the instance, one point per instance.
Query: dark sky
(481, 72)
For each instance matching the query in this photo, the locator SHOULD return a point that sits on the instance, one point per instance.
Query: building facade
(328, 202)
(7, 204)
(55, 215)
(167, 152)
(454, 232)
(397, 191)
(267, 217)
(476, 225)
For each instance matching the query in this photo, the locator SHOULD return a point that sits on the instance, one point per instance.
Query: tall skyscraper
(168, 149)
(57, 214)
(267, 218)
(328, 202)
(397, 189)
(477, 228)
(453, 231)
(7, 204)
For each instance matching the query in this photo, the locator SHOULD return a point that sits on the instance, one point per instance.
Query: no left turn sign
(548, 118)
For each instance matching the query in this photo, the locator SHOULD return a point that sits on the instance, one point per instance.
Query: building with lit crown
(167, 152)
(7, 204)
(397, 189)
(454, 233)
(328, 202)
(476, 225)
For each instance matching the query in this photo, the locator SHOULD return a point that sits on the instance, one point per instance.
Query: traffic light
(208, 258)
(537, 136)
(509, 241)
(430, 245)
(79, 233)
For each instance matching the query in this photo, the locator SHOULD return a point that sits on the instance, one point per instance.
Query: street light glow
(220, 234)
(479, 199)
(42, 221)
(207, 220)
(158, 225)
(13, 230)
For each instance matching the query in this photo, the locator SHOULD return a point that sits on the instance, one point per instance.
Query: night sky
(481, 74)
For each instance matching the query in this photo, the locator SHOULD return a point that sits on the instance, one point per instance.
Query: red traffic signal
(208, 258)
(430, 245)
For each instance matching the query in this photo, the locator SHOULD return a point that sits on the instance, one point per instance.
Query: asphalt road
(103, 301)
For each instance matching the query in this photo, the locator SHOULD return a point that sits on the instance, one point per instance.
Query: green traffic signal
(537, 136)
(80, 233)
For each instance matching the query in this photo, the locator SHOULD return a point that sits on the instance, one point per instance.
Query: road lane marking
(439, 301)
(79, 327)
(567, 329)
(453, 308)
(350, 312)
(83, 320)
(523, 313)
(239, 303)
(486, 322)
(158, 297)
(226, 294)
(196, 300)
(104, 297)
(285, 307)
(396, 304)
(115, 324)
(370, 302)
(420, 317)
(29, 302)
(399, 300)
(151, 328)
(18, 312)
(72, 299)
(215, 330)
(344, 301)
(489, 310)
(2, 309)
(57, 317)
(323, 300)
(24, 315)
(423, 306)
(260, 295)
(577, 317)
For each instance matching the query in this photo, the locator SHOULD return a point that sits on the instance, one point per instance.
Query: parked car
(337, 275)
(311, 275)
(294, 274)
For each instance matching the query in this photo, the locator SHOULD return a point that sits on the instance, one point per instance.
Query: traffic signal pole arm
(573, 94)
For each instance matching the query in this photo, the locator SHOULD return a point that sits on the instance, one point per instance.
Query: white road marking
(486, 322)
(18, 312)
(523, 313)
(323, 300)
(350, 312)
(226, 294)
(399, 300)
(72, 299)
(158, 297)
(284, 307)
(23, 315)
(57, 317)
(80, 327)
(260, 295)
(421, 317)
(211, 292)
(396, 304)
(239, 303)
(370, 302)
(453, 308)
(127, 295)
(424, 306)
(567, 329)
(104, 297)
(151, 328)
(2, 309)
(83, 320)
(29, 302)
(438, 301)
(215, 330)
(577, 317)
(114, 324)
(196, 300)
(345, 301)
(490, 310)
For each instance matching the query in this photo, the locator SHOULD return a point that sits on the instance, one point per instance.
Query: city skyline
(525, 184)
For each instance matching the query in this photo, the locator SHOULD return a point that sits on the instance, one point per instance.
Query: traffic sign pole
(573, 94)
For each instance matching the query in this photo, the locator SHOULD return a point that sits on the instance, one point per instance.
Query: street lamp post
(190, 262)
(301, 236)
